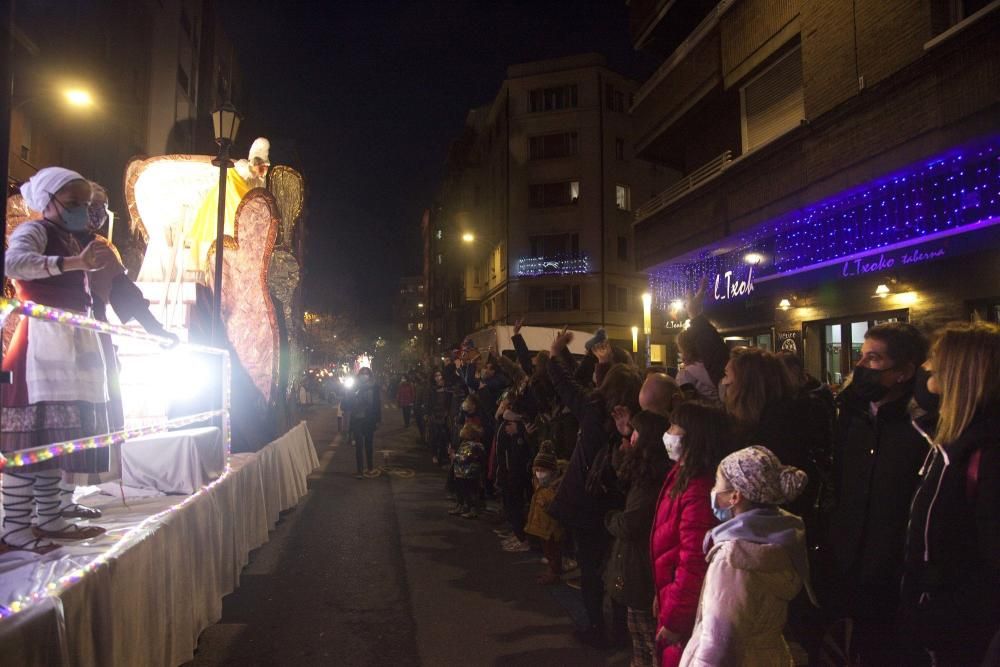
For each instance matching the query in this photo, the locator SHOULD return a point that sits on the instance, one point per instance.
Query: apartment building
(839, 166)
(534, 216)
(99, 82)
(409, 308)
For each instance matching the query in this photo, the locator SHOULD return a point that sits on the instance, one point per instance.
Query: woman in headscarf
(60, 388)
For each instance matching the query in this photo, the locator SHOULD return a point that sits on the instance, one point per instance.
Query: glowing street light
(79, 97)
(647, 313)
(468, 237)
(647, 320)
(753, 258)
(635, 339)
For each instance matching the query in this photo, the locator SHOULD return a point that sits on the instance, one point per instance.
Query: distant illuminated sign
(552, 266)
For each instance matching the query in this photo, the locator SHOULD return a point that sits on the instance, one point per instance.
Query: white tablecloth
(175, 462)
(149, 603)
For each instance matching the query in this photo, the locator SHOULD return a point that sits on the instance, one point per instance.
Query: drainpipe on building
(604, 241)
(506, 249)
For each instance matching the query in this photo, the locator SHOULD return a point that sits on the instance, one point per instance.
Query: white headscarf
(261, 148)
(40, 188)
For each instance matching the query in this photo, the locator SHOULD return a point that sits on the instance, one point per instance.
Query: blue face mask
(722, 514)
(76, 219)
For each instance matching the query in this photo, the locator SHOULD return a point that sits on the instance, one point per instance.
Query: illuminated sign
(729, 287)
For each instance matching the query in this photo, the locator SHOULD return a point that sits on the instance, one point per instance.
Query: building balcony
(685, 79)
(658, 26)
(685, 185)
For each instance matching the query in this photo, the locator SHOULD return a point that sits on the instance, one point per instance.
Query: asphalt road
(375, 572)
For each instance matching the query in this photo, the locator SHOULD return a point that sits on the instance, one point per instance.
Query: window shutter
(772, 103)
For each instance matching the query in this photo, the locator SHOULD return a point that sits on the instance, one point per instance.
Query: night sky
(364, 98)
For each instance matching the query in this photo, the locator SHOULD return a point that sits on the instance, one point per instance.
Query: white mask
(673, 444)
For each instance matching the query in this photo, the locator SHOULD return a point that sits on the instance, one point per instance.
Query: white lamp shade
(226, 122)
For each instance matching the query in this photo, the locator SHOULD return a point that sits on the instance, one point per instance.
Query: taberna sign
(730, 286)
(885, 261)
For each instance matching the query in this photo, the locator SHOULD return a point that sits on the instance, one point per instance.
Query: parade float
(188, 506)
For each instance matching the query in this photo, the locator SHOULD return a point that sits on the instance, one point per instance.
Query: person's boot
(592, 636)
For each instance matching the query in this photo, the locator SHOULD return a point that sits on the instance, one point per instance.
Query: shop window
(657, 354)
(760, 339)
(772, 102)
(842, 340)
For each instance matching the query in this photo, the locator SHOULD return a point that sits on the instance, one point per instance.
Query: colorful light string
(46, 452)
(33, 455)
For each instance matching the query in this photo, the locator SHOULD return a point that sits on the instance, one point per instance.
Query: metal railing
(688, 183)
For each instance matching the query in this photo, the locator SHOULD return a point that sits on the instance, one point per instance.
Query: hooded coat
(756, 564)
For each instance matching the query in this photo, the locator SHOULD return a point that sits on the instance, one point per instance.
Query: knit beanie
(761, 478)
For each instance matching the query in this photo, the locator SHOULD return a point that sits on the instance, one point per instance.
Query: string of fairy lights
(949, 192)
(32, 455)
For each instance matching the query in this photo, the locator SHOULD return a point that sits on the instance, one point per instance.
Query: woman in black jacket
(629, 575)
(951, 575)
(575, 506)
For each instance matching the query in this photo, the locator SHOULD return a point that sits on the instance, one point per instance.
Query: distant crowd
(741, 505)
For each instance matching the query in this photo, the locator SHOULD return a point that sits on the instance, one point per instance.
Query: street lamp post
(226, 122)
(647, 321)
(635, 340)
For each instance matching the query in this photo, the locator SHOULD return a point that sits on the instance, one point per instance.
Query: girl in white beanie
(756, 563)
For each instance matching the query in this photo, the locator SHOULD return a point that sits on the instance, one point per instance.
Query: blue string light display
(530, 267)
(947, 193)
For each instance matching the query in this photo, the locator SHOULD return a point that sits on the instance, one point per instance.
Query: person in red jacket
(697, 441)
(406, 395)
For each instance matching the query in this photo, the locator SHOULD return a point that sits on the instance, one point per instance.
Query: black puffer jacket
(876, 463)
(951, 583)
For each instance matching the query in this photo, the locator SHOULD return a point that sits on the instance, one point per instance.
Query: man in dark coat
(877, 456)
(365, 408)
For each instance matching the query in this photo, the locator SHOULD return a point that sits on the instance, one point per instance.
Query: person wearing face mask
(547, 477)
(876, 462)
(951, 581)
(757, 563)
(697, 440)
(60, 387)
(628, 577)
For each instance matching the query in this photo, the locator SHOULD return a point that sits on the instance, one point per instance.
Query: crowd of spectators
(722, 512)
